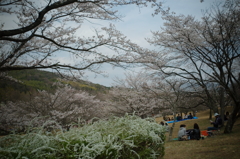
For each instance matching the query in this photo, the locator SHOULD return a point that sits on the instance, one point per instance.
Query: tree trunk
(222, 105)
(171, 131)
(213, 108)
(232, 119)
(210, 114)
(172, 127)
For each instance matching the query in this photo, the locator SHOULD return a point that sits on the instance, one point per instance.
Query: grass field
(221, 146)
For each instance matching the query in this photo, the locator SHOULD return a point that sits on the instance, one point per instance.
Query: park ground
(220, 146)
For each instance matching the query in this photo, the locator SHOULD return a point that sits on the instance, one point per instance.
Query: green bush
(118, 138)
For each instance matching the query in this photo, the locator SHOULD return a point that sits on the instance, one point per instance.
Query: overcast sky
(138, 24)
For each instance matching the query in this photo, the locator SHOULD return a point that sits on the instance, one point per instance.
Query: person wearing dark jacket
(190, 116)
(217, 123)
(179, 117)
(226, 116)
(195, 133)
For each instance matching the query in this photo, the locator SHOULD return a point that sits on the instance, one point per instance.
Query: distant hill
(30, 80)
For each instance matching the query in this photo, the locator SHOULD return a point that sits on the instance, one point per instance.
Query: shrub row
(117, 138)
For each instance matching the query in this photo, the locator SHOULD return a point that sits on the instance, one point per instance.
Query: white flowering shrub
(118, 138)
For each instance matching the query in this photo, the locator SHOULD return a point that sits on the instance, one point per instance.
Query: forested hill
(30, 80)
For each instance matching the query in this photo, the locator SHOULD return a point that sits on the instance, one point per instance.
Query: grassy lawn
(221, 146)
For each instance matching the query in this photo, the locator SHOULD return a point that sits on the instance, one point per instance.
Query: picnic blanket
(180, 120)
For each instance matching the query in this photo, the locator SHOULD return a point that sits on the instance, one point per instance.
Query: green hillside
(37, 79)
(31, 80)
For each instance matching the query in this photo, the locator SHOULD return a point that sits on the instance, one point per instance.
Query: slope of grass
(221, 146)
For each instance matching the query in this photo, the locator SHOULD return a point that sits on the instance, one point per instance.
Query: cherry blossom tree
(129, 96)
(205, 51)
(173, 94)
(144, 94)
(43, 32)
(127, 100)
(65, 106)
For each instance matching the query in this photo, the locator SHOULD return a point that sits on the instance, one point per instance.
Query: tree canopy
(47, 30)
(205, 51)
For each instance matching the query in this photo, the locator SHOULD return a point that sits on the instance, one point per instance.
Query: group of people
(179, 117)
(165, 124)
(195, 133)
(190, 134)
(168, 119)
(186, 116)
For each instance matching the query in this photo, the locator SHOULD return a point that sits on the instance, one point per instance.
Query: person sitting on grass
(190, 116)
(217, 124)
(167, 127)
(162, 123)
(182, 134)
(165, 124)
(195, 133)
(179, 117)
(226, 116)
